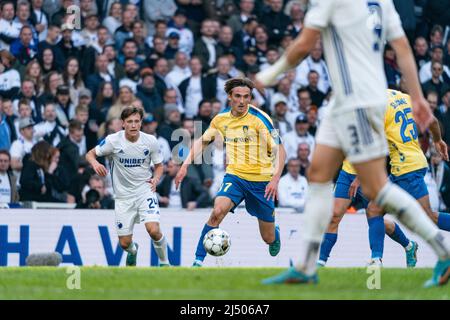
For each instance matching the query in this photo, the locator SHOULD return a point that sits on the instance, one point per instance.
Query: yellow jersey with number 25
(402, 135)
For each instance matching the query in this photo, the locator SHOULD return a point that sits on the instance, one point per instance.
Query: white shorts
(359, 133)
(144, 208)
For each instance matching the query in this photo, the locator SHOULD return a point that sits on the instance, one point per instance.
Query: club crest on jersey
(245, 129)
(146, 152)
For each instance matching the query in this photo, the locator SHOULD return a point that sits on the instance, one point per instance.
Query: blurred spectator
(421, 51)
(217, 80)
(73, 79)
(178, 25)
(261, 43)
(226, 45)
(172, 122)
(313, 62)
(105, 200)
(296, 11)
(316, 95)
(27, 91)
(92, 200)
(293, 187)
(126, 98)
(275, 20)
(23, 48)
(22, 145)
(190, 195)
(299, 135)
(124, 31)
(11, 120)
(131, 78)
(5, 130)
(161, 69)
(180, 70)
(445, 106)
(65, 109)
(39, 18)
(204, 116)
(103, 102)
(24, 112)
(312, 116)
(437, 12)
(435, 83)
(101, 74)
(304, 103)
(58, 16)
(304, 155)
(237, 21)
(391, 68)
(51, 41)
(437, 55)
(114, 68)
(279, 118)
(34, 73)
(71, 148)
(8, 188)
(440, 172)
(173, 46)
(149, 126)
(9, 28)
(194, 88)
(38, 180)
(49, 129)
(9, 77)
(114, 19)
(206, 46)
(67, 45)
(90, 136)
(245, 37)
(147, 93)
(48, 61)
(51, 82)
(155, 10)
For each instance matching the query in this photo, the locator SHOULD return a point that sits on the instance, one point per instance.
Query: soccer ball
(217, 242)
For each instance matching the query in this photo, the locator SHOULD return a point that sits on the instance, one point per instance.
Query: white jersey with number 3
(130, 162)
(354, 33)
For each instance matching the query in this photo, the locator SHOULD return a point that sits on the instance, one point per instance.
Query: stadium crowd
(62, 89)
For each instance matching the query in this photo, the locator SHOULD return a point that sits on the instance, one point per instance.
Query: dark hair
(238, 82)
(92, 196)
(128, 111)
(6, 153)
(41, 154)
(100, 97)
(75, 125)
(4, 3)
(78, 79)
(302, 89)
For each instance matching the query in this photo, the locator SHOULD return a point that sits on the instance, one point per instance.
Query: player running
(408, 169)
(255, 160)
(131, 153)
(354, 33)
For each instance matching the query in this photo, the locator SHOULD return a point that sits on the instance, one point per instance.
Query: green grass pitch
(210, 283)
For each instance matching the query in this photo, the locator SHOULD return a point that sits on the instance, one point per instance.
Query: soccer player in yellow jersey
(408, 168)
(255, 160)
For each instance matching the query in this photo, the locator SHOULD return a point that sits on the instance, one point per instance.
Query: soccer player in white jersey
(353, 34)
(131, 153)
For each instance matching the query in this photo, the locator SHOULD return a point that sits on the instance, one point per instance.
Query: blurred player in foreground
(131, 153)
(408, 169)
(354, 34)
(255, 160)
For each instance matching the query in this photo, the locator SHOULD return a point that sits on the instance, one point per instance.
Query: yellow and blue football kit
(249, 142)
(408, 163)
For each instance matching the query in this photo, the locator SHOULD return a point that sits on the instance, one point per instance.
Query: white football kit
(130, 174)
(355, 119)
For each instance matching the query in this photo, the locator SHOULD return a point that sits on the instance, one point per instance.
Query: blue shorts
(343, 185)
(238, 189)
(412, 182)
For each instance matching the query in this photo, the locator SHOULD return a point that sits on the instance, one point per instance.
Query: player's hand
(272, 190)
(153, 183)
(441, 147)
(422, 113)
(191, 205)
(100, 169)
(180, 176)
(353, 188)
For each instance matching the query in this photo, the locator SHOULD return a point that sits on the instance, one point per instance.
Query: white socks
(131, 248)
(397, 201)
(318, 213)
(161, 250)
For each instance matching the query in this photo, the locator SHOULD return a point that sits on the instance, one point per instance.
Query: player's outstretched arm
(296, 52)
(196, 149)
(421, 109)
(439, 144)
(272, 188)
(99, 169)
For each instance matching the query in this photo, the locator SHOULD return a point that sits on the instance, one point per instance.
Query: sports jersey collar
(234, 117)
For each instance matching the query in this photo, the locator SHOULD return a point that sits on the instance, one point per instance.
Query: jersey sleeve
(394, 28)
(268, 132)
(156, 153)
(105, 147)
(212, 131)
(319, 13)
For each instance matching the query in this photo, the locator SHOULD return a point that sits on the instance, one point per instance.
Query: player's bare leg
(393, 199)
(159, 242)
(222, 205)
(127, 244)
(330, 237)
(270, 233)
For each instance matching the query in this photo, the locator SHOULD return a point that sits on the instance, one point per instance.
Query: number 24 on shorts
(152, 203)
